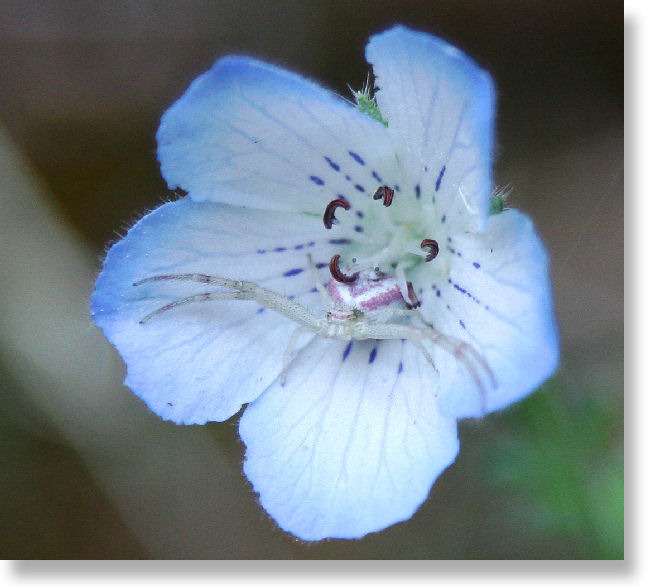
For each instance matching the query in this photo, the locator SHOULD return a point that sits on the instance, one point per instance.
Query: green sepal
(368, 107)
(496, 205)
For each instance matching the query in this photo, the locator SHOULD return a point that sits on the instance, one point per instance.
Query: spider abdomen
(371, 293)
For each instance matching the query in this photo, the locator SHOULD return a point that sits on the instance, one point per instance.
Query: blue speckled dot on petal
(346, 351)
(357, 158)
(442, 172)
(334, 166)
(292, 272)
(373, 355)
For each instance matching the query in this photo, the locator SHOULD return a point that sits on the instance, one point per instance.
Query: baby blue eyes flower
(339, 270)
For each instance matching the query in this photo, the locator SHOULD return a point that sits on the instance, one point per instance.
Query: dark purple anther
(429, 243)
(385, 193)
(336, 271)
(328, 217)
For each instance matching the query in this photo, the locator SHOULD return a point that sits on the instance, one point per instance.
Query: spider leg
(425, 352)
(204, 297)
(288, 352)
(400, 312)
(469, 357)
(198, 277)
(460, 346)
(420, 317)
(243, 290)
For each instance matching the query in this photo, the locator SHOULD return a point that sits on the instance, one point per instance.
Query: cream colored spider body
(368, 308)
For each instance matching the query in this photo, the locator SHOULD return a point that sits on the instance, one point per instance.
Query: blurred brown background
(87, 472)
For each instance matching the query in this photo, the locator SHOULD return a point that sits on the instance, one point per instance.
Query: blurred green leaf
(561, 457)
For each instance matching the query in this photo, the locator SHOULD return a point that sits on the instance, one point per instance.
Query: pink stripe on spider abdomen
(334, 290)
(367, 294)
(381, 299)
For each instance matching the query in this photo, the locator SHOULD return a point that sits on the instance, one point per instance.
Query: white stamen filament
(415, 249)
(400, 275)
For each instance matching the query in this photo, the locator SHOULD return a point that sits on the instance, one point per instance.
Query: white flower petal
(201, 361)
(248, 133)
(497, 297)
(440, 109)
(352, 443)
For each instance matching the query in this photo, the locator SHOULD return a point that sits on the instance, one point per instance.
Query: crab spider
(359, 309)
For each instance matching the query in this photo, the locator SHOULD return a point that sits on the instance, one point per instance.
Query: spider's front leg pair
(245, 290)
(241, 290)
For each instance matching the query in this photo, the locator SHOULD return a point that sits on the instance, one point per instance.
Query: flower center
(392, 240)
